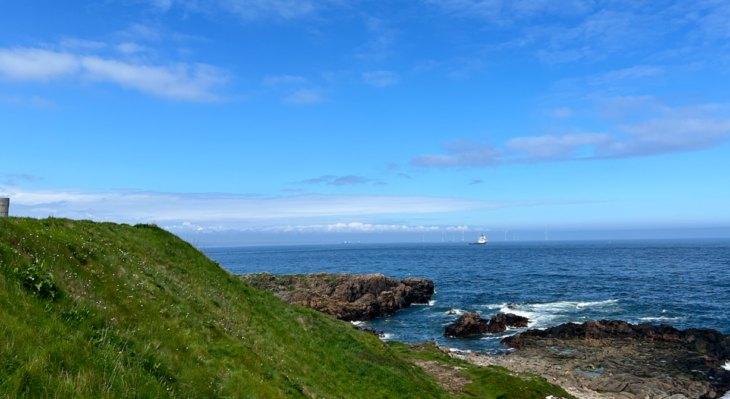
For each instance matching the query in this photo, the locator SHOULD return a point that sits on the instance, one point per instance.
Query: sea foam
(543, 315)
(661, 318)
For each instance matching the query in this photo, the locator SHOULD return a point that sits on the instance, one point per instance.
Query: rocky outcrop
(623, 359)
(347, 297)
(472, 324)
(711, 343)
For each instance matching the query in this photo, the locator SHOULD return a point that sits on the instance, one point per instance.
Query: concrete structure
(4, 206)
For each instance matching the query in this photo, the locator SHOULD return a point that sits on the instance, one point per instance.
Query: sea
(684, 283)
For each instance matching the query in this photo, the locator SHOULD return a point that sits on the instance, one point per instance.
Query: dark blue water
(682, 283)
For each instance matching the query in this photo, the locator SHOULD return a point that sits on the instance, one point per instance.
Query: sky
(237, 122)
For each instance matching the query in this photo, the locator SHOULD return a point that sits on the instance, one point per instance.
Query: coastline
(593, 360)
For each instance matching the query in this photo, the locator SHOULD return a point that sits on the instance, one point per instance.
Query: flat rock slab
(620, 360)
(348, 297)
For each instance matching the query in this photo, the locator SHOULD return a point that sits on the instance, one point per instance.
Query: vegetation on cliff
(106, 310)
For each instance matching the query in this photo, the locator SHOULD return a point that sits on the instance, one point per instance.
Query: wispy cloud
(672, 130)
(339, 180)
(28, 64)
(249, 9)
(654, 137)
(283, 79)
(332, 228)
(304, 96)
(564, 112)
(12, 179)
(231, 210)
(81, 43)
(476, 182)
(382, 38)
(380, 78)
(502, 12)
(35, 101)
(179, 82)
(130, 48)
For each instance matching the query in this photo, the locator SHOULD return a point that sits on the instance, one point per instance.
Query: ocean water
(682, 283)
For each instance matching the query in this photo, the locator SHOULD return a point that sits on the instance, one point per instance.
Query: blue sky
(314, 120)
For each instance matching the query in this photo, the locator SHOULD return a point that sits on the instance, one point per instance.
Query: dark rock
(472, 324)
(640, 359)
(421, 289)
(711, 343)
(344, 296)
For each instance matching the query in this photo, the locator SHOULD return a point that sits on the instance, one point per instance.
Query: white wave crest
(458, 312)
(431, 302)
(543, 315)
(357, 323)
(661, 318)
(387, 336)
(727, 366)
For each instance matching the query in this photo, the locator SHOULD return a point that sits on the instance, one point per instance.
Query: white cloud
(340, 180)
(380, 78)
(379, 45)
(23, 64)
(505, 12)
(635, 72)
(250, 9)
(181, 82)
(674, 131)
(229, 210)
(80, 43)
(34, 101)
(130, 48)
(564, 112)
(666, 136)
(282, 79)
(304, 96)
(554, 148)
(333, 228)
(464, 153)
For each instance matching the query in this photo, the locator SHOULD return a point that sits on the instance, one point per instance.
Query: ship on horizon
(481, 241)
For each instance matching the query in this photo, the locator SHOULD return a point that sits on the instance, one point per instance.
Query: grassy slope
(141, 313)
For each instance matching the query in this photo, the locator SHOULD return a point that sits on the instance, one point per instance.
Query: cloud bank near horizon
(238, 211)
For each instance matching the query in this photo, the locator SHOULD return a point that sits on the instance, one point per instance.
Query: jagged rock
(347, 297)
(707, 342)
(472, 324)
(627, 359)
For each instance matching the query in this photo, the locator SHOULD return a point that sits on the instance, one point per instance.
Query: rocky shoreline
(472, 324)
(596, 359)
(615, 359)
(358, 297)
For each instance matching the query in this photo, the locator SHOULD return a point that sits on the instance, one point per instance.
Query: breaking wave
(543, 315)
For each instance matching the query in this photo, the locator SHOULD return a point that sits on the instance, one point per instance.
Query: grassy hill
(107, 310)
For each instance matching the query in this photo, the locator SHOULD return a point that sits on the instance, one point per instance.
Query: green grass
(492, 382)
(102, 310)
